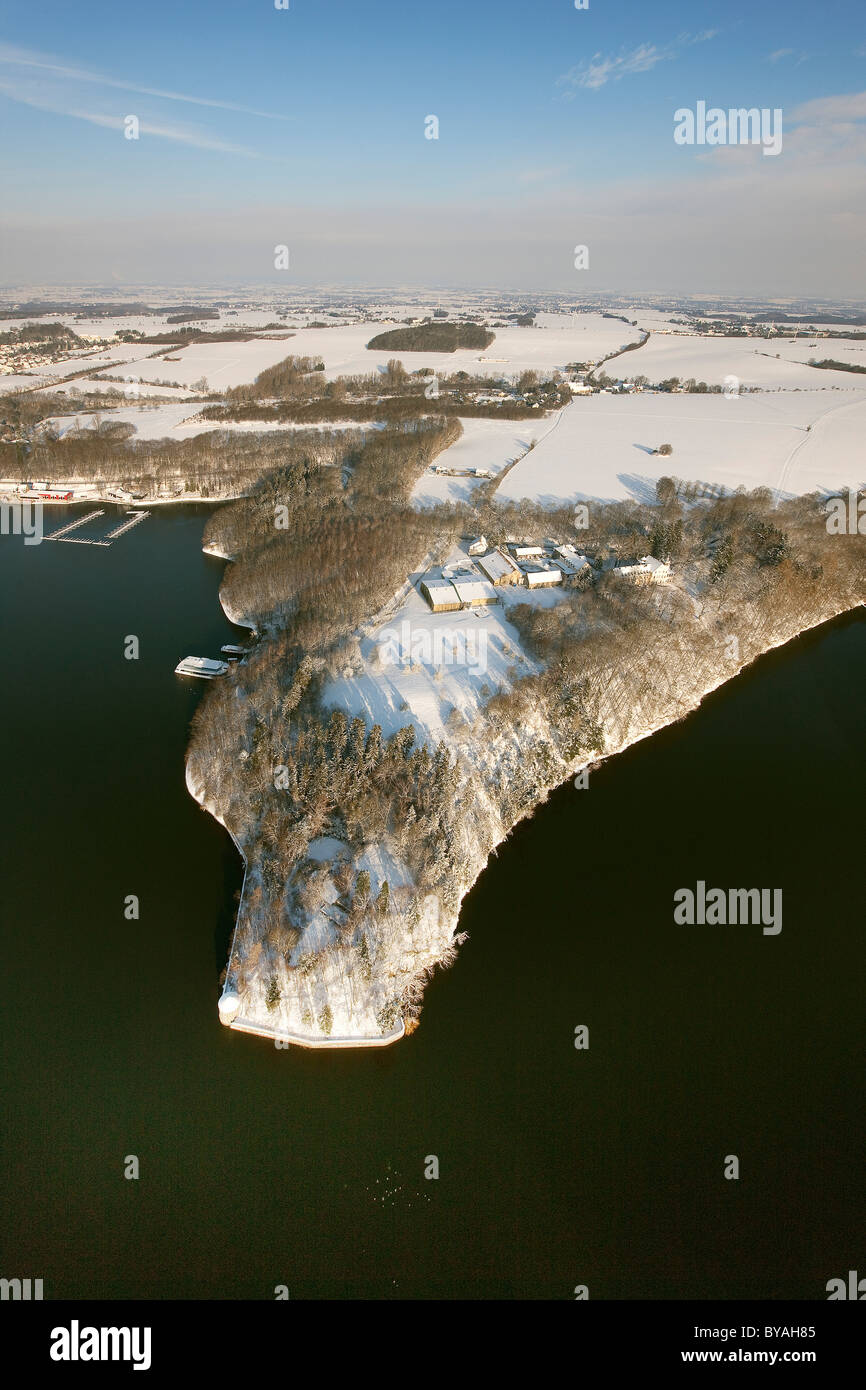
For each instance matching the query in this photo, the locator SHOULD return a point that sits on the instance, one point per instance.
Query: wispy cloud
(46, 83)
(604, 68)
(22, 58)
(686, 40)
(200, 140)
(781, 53)
(848, 107)
(600, 70)
(180, 134)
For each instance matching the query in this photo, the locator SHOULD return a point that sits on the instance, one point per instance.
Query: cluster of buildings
(489, 568)
(42, 491)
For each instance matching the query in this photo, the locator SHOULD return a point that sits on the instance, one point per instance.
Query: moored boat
(202, 666)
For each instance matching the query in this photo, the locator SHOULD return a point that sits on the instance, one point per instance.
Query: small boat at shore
(233, 652)
(202, 666)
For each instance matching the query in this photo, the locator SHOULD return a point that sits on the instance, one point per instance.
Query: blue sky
(307, 124)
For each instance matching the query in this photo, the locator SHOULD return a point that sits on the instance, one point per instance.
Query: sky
(307, 127)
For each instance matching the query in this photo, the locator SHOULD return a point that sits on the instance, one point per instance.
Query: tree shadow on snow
(642, 489)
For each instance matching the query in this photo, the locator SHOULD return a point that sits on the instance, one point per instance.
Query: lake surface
(558, 1167)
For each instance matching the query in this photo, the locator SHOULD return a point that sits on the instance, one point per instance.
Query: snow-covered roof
(572, 563)
(536, 577)
(440, 591)
(647, 564)
(496, 565)
(474, 591)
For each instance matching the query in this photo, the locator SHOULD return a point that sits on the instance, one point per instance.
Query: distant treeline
(35, 307)
(183, 337)
(391, 409)
(188, 314)
(831, 365)
(433, 337)
(842, 319)
(295, 390)
(54, 333)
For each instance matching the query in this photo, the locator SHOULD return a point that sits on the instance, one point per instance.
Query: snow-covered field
(416, 665)
(484, 444)
(176, 422)
(768, 363)
(566, 338)
(133, 391)
(602, 447)
(222, 364)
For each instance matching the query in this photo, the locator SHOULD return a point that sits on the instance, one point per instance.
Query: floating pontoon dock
(73, 525)
(133, 519)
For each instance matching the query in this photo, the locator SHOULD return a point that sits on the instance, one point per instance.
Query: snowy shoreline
(231, 1013)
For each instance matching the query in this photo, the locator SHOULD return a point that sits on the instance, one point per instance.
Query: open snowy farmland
(802, 349)
(793, 442)
(575, 338)
(221, 364)
(767, 363)
(132, 390)
(179, 421)
(344, 351)
(490, 444)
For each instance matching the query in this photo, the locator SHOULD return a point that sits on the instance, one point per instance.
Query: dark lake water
(558, 1167)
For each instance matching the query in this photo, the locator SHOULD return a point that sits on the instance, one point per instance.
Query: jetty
(73, 525)
(78, 540)
(133, 519)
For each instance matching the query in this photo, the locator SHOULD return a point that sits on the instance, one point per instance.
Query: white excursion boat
(201, 666)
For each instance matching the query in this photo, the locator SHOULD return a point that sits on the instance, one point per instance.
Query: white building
(538, 577)
(474, 592)
(648, 570)
(441, 595)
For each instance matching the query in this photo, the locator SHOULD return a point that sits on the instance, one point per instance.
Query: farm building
(537, 576)
(648, 570)
(441, 595)
(474, 592)
(526, 552)
(499, 568)
(478, 547)
(570, 561)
